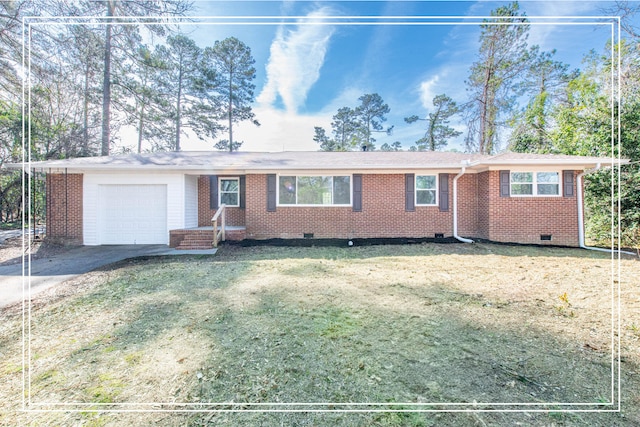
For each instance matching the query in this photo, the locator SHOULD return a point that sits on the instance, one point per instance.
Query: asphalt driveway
(46, 272)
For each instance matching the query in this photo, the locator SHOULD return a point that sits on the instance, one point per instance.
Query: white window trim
(228, 178)
(415, 190)
(296, 205)
(535, 183)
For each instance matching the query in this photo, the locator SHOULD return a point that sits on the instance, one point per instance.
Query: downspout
(455, 207)
(579, 181)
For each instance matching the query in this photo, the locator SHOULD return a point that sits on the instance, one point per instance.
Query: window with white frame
(314, 190)
(426, 190)
(229, 191)
(535, 183)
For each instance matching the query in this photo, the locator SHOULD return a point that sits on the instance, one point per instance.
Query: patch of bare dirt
(11, 250)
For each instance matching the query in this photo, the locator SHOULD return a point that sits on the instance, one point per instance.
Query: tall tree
(10, 49)
(112, 9)
(438, 129)
(83, 49)
(320, 137)
(344, 129)
(545, 82)
(502, 57)
(143, 83)
(190, 89)
(370, 115)
(232, 59)
(353, 128)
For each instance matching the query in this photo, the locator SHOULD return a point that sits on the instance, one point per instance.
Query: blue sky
(308, 67)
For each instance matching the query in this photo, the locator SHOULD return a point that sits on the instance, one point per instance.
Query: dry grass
(421, 324)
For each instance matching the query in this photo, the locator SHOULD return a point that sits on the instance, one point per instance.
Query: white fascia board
(329, 172)
(577, 163)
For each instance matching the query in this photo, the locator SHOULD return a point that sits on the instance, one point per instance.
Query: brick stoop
(191, 239)
(200, 238)
(191, 243)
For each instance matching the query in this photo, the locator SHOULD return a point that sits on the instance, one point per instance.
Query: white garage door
(132, 214)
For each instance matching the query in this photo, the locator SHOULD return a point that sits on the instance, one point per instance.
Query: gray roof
(306, 160)
(518, 158)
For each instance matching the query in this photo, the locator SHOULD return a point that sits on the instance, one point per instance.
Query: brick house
(170, 198)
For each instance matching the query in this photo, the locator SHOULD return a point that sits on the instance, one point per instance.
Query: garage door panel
(133, 214)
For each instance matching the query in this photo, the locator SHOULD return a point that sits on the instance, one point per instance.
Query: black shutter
(357, 192)
(409, 192)
(213, 191)
(567, 177)
(505, 183)
(243, 191)
(443, 192)
(271, 193)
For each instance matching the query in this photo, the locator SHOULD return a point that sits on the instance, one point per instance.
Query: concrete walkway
(49, 271)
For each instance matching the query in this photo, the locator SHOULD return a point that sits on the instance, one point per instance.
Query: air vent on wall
(545, 237)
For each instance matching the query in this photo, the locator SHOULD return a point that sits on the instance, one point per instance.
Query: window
(229, 191)
(314, 190)
(426, 189)
(535, 184)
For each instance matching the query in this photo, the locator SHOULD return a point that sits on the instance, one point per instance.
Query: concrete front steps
(201, 237)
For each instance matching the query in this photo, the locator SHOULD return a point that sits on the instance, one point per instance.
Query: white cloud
(280, 131)
(296, 57)
(428, 90)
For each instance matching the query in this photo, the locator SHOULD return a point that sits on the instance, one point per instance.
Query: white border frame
(614, 405)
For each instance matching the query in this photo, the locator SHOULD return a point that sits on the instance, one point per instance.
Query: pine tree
(502, 58)
(232, 59)
(438, 129)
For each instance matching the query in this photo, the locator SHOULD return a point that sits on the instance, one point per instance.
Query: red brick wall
(64, 208)
(482, 213)
(467, 205)
(483, 205)
(234, 216)
(524, 219)
(383, 214)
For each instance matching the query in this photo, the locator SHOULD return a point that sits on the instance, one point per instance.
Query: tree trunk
(140, 128)
(230, 110)
(106, 85)
(85, 113)
(178, 106)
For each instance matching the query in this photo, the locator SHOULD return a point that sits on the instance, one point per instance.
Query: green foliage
(232, 61)
(189, 87)
(545, 82)
(353, 128)
(371, 113)
(395, 146)
(438, 129)
(571, 113)
(502, 57)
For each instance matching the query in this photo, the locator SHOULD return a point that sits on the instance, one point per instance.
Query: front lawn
(412, 327)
